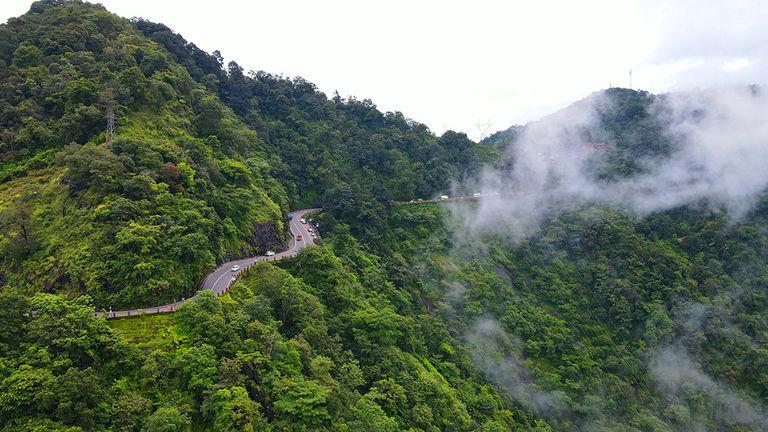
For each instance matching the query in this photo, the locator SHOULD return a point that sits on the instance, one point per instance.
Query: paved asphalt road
(456, 198)
(220, 279)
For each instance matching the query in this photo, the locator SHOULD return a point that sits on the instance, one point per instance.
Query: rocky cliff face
(266, 236)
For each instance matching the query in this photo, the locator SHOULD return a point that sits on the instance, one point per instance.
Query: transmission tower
(108, 105)
(630, 78)
(110, 126)
(482, 128)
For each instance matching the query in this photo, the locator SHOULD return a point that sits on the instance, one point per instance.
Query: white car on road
(235, 268)
(269, 253)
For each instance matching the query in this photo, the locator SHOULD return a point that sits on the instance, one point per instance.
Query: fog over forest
(718, 156)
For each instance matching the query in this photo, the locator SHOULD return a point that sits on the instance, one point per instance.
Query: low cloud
(498, 356)
(678, 378)
(719, 156)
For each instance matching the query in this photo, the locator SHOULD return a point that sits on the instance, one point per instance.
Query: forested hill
(402, 317)
(345, 155)
(204, 163)
(629, 318)
(624, 122)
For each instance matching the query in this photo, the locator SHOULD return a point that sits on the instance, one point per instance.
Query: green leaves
(196, 367)
(141, 220)
(138, 238)
(231, 409)
(68, 329)
(367, 416)
(301, 402)
(27, 390)
(168, 419)
(27, 55)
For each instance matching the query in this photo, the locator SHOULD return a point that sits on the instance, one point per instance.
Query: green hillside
(320, 345)
(137, 220)
(400, 319)
(619, 324)
(343, 155)
(186, 182)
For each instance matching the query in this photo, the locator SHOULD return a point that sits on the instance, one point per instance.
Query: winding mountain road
(222, 278)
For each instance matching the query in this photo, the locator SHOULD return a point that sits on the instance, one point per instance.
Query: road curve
(222, 278)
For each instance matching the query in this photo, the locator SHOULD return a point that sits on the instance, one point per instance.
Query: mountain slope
(623, 125)
(183, 169)
(343, 155)
(137, 220)
(601, 321)
(619, 282)
(404, 318)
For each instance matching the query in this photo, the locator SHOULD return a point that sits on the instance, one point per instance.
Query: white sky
(461, 65)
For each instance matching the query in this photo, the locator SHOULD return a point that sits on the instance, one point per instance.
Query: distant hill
(624, 123)
(503, 138)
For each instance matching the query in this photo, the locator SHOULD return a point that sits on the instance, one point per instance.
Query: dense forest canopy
(403, 318)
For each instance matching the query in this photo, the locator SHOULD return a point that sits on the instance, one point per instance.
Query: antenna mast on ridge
(630, 78)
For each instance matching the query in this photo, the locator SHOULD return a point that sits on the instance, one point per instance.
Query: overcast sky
(464, 65)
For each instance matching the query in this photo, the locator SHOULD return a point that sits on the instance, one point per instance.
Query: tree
(17, 223)
(26, 391)
(231, 409)
(170, 172)
(15, 307)
(81, 397)
(367, 416)
(39, 425)
(197, 366)
(130, 412)
(91, 165)
(301, 401)
(27, 55)
(68, 329)
(210, 113)
(168, 419)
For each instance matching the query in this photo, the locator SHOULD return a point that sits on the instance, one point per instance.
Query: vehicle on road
(443, 197)
(299, 238)
(235, 268)
(476, 195)
(302, 220)
(269, 253)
